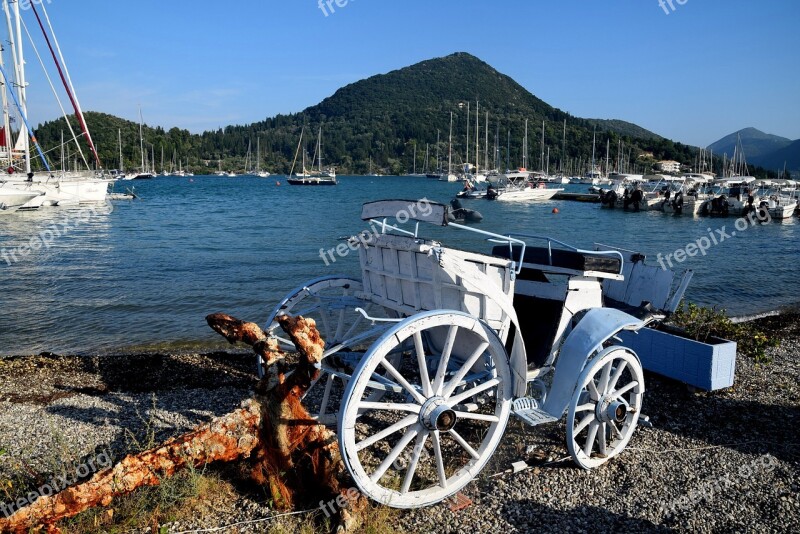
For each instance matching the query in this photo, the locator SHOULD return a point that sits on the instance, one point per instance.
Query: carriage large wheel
(331, 301)
(605, 407)
(445, 409)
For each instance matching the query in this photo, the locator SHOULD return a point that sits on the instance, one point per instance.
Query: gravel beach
(726, 461)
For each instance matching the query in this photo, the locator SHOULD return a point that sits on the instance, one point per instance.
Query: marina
(150, 270)
(559, 319)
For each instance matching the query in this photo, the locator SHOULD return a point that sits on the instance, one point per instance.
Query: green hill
(382, 118)
(755, 144)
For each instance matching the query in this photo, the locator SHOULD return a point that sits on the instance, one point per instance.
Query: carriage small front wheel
(605, 407)
(444, 412)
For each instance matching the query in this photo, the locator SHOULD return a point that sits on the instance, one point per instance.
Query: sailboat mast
(563, 149)
(468, 127)
(450, 149)
(121, 163)
(62, 72)
(319, 149)
(7, 142)
(141, 137)
(438, 159)
(541, 160)
(486, 144)
(508, 151)
(477, 135)
(415, 157)
(525, 147)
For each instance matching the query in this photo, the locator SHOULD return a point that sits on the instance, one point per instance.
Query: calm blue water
(147, 273)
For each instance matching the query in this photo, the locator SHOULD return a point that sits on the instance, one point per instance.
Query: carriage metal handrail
(511, 239)
(550, 241)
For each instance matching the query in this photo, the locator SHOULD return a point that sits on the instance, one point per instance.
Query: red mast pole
(78, 114)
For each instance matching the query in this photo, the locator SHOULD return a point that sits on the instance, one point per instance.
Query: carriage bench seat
(561, 261)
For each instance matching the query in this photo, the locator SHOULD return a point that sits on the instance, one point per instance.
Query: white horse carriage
(429, 354)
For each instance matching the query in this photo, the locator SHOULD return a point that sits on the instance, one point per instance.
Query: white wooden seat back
(410, 275)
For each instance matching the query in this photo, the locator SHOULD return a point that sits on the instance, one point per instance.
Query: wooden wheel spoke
(623, 390)
(617, 374)
(601, 439)
(445, 359)
(464, 445)
(394, 455)
(437, 452)
(585, 407)
(326, 395)
(422, 362)
(583, 424)
(402, 381)
(459, 376)
(397, 427)
(477, 416)
(458, 399)
(390, 406)
(412, 464)
(326, 333)
(593, 427)
(592, 389)
(605, 374)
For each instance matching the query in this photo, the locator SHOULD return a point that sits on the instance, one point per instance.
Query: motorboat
(527, 191)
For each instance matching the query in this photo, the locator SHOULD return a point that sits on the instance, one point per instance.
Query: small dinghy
(459, 214)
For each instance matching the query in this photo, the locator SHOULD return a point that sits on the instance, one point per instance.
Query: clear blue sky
(707, 69)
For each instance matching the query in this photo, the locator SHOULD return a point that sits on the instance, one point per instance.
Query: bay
(145, 274)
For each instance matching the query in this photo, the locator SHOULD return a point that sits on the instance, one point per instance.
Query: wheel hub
(608, 411)
(436, 414)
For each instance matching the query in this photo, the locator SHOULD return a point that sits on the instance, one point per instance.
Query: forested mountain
(382, 118)
(769, 151)
(755, 143)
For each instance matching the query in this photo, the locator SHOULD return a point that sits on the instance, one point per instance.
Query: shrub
(703, 323)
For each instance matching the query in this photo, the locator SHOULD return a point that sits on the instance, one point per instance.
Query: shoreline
(768, 319)
(684, 473)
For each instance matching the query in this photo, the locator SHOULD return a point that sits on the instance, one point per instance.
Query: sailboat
(259, 172)
(49, 187)
(145, 174)
(449, 177)
(320, 176)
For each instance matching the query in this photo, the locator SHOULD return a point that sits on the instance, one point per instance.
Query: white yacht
(12, 199)
(60, 188)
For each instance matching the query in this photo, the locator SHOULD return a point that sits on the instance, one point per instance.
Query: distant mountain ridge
(382, 118)
(760, 148)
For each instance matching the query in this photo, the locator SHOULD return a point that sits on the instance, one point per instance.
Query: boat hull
(312, 181)
(12, 200)
(529, 194)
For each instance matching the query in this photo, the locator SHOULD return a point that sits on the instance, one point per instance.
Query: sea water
(145, 274)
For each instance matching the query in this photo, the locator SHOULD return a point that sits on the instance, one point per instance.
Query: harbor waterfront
(145, 274)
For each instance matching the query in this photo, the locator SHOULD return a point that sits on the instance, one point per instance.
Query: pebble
(722, 461)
